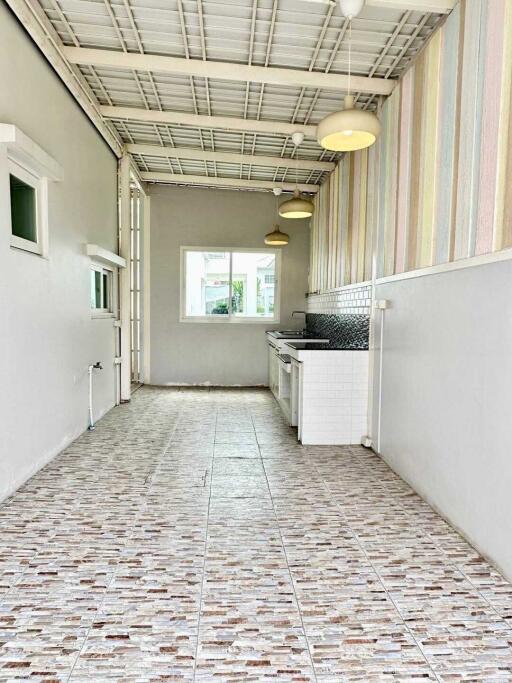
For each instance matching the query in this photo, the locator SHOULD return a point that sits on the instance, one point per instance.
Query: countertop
(281, 335)
(319, 346)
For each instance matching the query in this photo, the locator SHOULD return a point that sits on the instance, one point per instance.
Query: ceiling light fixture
(349, 129)
(298, 206)
(276, 238)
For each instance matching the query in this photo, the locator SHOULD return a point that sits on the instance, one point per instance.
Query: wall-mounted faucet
(301, 313)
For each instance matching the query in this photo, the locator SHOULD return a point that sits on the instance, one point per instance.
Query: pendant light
(298, 206)
(350, 129)
(276, 238)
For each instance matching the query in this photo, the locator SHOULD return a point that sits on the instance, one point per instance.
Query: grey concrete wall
(48, 337)
(215, 353)
(447, 397)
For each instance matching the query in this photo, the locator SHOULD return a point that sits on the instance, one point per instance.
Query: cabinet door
(295, 389)
(273, 377)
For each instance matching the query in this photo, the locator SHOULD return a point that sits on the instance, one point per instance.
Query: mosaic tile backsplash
(346, 331)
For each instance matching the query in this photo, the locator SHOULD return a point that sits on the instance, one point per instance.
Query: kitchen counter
(299, 336)
(320, 378)
(319, 346)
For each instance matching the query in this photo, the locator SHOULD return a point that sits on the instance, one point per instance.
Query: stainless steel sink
(288, 334)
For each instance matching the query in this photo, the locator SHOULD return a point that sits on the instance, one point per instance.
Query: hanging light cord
(349, 53)
(297, 167)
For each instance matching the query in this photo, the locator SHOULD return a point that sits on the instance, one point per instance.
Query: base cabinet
(273, 370)
(295, 393)
(329, 402)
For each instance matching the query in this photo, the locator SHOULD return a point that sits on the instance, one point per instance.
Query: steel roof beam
(34, 20)
(228, 157)
(423, 6)
(241, 183)
(294, 78)
(437, 6)
(202, 121)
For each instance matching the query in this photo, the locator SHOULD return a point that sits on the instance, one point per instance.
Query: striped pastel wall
(433, 189)
(340, 242)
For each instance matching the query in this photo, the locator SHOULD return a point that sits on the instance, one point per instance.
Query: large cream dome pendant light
(298, 206)
(276, 238)
(350, 129)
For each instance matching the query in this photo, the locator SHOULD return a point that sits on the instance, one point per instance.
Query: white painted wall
(447, 397)
(48, 337)
(215, 353)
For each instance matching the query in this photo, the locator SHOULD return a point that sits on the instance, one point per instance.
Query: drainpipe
(96, 366)
(382, 305)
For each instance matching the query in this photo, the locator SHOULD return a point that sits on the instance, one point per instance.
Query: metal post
(125, 275)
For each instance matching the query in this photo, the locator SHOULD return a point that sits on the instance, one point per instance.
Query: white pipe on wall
(96, 366)
(380, 304)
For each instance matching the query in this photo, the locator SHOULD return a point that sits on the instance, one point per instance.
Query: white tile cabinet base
(332, 396)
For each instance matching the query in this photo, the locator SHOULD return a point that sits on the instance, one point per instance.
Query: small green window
(23, 210)
(105, 304)
(101, 280)
(95, 289)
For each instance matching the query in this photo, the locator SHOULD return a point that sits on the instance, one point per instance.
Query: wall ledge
(105, 256)
(28, 153)
(470, 262)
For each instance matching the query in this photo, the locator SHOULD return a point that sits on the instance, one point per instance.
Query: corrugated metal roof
(298, 34)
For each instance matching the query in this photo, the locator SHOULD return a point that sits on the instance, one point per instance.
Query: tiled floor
(189, 538)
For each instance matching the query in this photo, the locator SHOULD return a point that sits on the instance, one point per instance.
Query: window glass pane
(23, 209)
(207, 283)
(95, 289)
(254, 284)
(106, 293)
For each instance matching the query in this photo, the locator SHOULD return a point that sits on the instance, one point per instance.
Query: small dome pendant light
(276, 238)
(350, 129)
(298, 206)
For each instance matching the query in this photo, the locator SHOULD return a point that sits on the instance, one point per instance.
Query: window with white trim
(27, 202)
(230, 285)
(101, 290)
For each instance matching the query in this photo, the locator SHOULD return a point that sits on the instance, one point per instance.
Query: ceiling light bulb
(297, 138)
(351, 8)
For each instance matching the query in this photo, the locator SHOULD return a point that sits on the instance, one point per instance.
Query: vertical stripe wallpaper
(437, 185)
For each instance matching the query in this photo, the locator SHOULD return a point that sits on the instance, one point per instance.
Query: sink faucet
(302, 313)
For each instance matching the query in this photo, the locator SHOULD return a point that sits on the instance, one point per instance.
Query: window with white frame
(230, 285)
(27, 198)
(101, 290)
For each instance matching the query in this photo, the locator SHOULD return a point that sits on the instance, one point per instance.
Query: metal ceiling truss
(209, 92)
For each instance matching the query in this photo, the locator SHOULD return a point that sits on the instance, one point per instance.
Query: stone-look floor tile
(367, 647)
(232, 616)
(229, 450)
(228, 438)
(253, 486)
(37, 650)
(465, 649)
(190, 537)
(253, 656)
(237, 467)
(115, 649)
